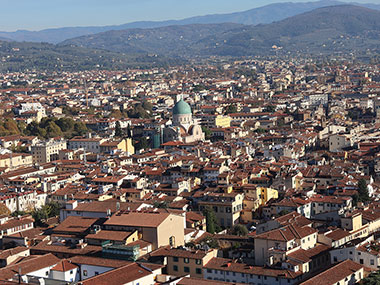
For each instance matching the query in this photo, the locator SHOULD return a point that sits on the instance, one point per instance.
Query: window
(71, 272)
(175, 259)
(96, 273)
(186, 269)
(198, 270)
(198, 261)
(172, 241)
(84, 272)
(186, 260)
(209, 270)
(372, 262)
(175, 267)
(47, 273)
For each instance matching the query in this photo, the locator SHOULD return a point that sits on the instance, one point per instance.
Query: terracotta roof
(109, 235)
(64, 266)
(98, 261)
(16, 223)
(303, 255)
(103, 206)
(198, 281)
(122, 275)
(75, 224)
(229, 265)
(137, 219)
(337, 234)
(9, 252)
(29, 265)
(287, 233)
(335, 273)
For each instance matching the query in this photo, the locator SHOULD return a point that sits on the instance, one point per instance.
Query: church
(184, 128)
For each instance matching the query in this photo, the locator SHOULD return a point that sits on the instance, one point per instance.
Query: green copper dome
(181, 108)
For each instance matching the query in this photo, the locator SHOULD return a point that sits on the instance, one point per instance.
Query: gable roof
(29, 265)
(64, 266)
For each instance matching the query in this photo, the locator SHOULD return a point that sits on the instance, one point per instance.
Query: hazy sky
(41, 14)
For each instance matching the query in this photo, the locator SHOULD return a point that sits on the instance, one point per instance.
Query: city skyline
(43, 14)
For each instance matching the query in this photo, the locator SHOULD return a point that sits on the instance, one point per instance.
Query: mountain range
(342, 29)
(324, 30)
(262, 15)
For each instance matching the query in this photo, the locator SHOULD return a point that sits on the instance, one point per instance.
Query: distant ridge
(328, 29)
(262, 15)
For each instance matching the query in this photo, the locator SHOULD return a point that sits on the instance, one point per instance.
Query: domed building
(184, 127)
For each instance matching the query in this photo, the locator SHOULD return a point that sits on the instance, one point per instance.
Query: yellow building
(266, 194)
(227, 207)
(184, 262)
(255, 197)
(222, 121)
(124, 145)
(15, 160)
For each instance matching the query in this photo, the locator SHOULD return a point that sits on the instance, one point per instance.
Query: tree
(283, 212)
(161, 205)
(207, 132)
(117, 114)
(4, 210)
(80, 129)
(372, 279)
(211, 222)
(65, 124)
(231, 109)
(147, 106)
(8, 127)
(52, 130)
(270, 109)
(47, 211)
(363, 195)
(118, 130)
(239, 230)
(143, 143)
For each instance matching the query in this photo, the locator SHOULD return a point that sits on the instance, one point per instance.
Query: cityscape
(237, 148)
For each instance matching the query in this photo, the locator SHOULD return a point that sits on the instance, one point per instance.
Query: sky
(41, 14)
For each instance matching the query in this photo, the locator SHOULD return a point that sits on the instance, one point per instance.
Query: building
(184, 127)
(272, 246)
(45, 152)
(227, 207)
(181, 262)
(221, 269)
(88, 144)
(124, 145)
(159, 228)
(346, 272)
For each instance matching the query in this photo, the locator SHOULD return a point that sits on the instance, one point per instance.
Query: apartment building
(88, 144)
(45, 152)
(181, 262)
(227, 207)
